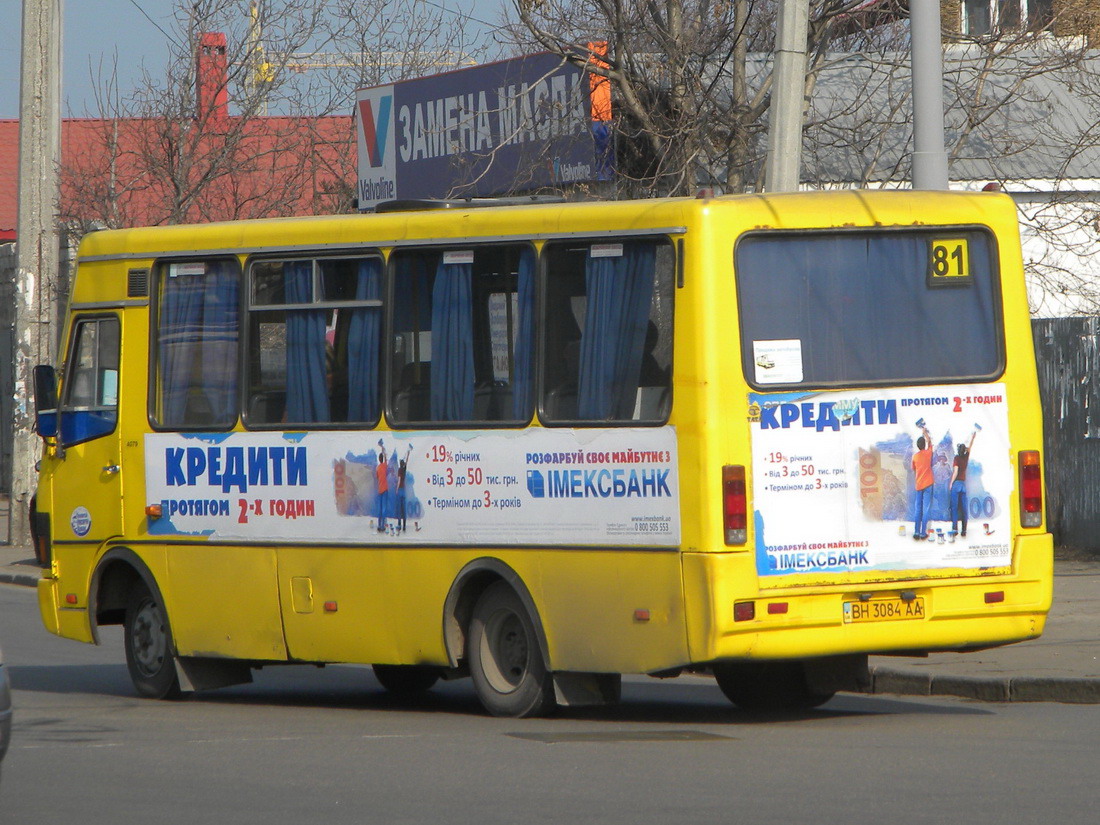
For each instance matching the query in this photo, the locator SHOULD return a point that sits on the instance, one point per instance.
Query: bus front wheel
(506, 663)
(768, 686)
(150, 655)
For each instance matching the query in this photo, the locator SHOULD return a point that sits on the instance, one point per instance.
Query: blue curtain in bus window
(306, 386)
(179, 340)
(452, 392)
(197, 345)
(364, 341)
(219, 347)
(620, 290)
(525, 338)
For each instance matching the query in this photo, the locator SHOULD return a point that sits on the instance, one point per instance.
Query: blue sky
(93, 31)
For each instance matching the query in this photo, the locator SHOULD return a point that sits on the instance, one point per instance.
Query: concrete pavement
(1061, 666)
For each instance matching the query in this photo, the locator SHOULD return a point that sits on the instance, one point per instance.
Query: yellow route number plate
(884, 610)
(950, 260)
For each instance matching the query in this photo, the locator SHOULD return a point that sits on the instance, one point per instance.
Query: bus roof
(842, 208)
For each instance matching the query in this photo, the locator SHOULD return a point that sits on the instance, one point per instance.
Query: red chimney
(211, 77)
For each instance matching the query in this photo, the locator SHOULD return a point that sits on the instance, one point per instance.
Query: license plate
(884, 610)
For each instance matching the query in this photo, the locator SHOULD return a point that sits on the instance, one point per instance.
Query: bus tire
(406, 680)
(506, 663)
(768, 686)
(150, 653)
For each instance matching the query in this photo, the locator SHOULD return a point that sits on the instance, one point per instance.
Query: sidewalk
(1061, 666)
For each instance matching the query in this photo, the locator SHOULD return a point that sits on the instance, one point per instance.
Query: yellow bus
(544, 445)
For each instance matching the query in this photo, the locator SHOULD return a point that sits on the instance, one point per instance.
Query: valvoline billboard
(515, 125)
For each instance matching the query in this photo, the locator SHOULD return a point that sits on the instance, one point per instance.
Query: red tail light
(1031, 489)
(734, 504)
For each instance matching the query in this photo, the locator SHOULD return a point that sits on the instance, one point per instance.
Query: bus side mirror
(45, 401)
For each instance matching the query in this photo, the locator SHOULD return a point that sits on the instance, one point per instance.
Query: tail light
(1031, 489)
(734, 504)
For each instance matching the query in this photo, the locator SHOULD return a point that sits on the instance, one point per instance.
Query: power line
(441, 7)
(145, 14)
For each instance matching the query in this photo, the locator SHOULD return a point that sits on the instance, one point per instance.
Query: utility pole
(781, 174)
(36, 275)
(926, 54)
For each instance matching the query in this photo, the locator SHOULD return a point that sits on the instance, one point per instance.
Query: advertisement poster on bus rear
(881, 480)
(607, 487)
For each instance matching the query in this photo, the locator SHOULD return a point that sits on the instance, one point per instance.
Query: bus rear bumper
(918, 615)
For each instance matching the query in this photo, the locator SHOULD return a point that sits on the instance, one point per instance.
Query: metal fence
(7, 363)
(1067, 352)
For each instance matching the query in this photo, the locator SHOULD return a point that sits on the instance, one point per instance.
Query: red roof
(9, 176)
(144, 172)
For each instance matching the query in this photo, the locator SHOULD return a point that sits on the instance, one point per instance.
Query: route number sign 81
(950, 260)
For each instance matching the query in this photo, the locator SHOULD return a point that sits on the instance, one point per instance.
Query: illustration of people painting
(378, 485)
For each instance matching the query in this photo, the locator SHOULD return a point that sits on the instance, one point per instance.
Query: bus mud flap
(578, 689)
(206, 674)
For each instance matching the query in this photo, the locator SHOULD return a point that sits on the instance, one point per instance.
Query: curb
(23, 579)
(1066, 690)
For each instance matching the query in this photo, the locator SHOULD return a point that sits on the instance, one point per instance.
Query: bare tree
(691, 82)
(691, 100)
(1022, 107)
(254, 124)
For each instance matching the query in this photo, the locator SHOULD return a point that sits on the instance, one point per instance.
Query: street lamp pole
(926, 55)
(36, 276)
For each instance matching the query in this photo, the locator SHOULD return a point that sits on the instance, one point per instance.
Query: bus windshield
(861, 308)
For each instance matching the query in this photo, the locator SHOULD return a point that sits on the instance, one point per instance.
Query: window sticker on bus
(503, 331)
(109, 389)
(458, 256)
(949, 260)
(778, 362)
(895, 479)
(186, 269)
(606, 250)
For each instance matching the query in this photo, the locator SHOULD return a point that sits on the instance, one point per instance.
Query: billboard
(516, 125)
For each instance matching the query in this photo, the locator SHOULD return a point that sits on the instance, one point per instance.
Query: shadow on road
(346, 687)
(110, 680)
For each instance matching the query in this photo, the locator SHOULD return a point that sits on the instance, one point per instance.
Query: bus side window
(607, 332)
(90, 400)
(197, 308)
(462, 342)
(314, 341)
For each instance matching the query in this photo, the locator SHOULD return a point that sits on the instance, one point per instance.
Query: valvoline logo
(375, 117)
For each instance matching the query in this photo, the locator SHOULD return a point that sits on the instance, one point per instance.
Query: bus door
(86, 469)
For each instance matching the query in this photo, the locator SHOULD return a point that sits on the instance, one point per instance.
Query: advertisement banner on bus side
(881, 480)
(529, 487)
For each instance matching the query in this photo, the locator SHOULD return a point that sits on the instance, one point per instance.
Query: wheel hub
(508, 649)
(149, 639)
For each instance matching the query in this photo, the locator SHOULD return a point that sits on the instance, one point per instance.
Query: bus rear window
(864, 308)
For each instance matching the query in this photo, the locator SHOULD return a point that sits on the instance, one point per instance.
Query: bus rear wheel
(406, 680)
(506, 664)
(768, 686)
(150, 653)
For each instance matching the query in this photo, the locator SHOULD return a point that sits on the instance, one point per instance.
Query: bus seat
(412, 400)
(651, 404)
(493, 402)
(561, 402)
(267, 407)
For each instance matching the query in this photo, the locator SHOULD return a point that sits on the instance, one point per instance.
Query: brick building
(128, 171)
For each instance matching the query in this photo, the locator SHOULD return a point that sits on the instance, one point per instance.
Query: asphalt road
(305, 745)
